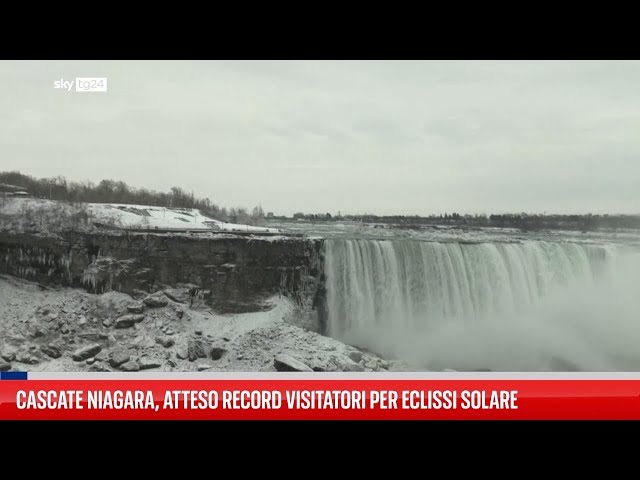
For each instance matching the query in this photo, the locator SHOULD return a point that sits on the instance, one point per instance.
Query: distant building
(7, 190)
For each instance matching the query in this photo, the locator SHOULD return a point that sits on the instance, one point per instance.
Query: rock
(118, 358)
(8, 356)
(217, 353)
(240, 357)
(52, 351)
(156, 301)
(286, 363)
(53, 316)
(172, 363)
(130, 366)
(142, 341)
(126, 321)
(226, 339)
(98, 367)
(165, 342)
(129, 320)
(101, 357)
(355, 355)
(383, 364)
(318, 369)
(179, 313)
(203, 367)
(149, 362)
(136, 293)
(37, 333)
(90, 361)
(5, 366)
(182, 354)
(372, 364)
(198, 332)
(137, 307)
(82, 320)
(86, 352)
(91, 336)
(197, 349)
(170, 331)
(353, 367)
(64, 329)
(177, 295)
(111, 339)
(26, 357)
(107, 323)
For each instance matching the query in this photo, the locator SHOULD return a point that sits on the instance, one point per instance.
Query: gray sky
(406, 137)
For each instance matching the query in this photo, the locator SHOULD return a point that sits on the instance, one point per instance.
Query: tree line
(117, 191)
(521, 221)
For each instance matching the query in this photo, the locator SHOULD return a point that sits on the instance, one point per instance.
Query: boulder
(118, 358)
(26, 357)
(128, 321)
(353, 367)
(8, 356)
(85, 352)
(217, 353)
(137, 307)
(178, 295)
(197, 349)
(52, 351)
(371, 364)
(149, 362)
(355, 355)
(286, 363)
(165, 342)
(156, 301)
(5, 366)
(130, 366)
(182, 354)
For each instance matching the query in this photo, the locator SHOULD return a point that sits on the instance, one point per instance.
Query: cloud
(377, 136)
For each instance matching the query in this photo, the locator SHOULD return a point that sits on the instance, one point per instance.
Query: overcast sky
(386, 137)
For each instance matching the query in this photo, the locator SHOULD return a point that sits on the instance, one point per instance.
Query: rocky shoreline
(61, 329)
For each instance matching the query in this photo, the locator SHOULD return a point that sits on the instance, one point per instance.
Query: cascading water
(476, 306)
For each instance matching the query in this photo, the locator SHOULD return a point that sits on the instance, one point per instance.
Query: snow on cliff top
(144, 216)
(130, 216)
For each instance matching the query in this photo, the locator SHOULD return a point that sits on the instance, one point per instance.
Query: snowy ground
(48, 213)
(439, 233)
(42, 330)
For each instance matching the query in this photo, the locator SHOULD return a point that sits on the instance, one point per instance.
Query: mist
(588, 324)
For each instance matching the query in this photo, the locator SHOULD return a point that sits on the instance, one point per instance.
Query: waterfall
(398, 296)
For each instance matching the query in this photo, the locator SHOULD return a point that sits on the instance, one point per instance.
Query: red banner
(319, 399)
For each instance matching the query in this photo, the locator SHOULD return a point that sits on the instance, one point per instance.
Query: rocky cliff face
(230, 273)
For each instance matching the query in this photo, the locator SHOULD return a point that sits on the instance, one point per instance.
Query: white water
(527, 306)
